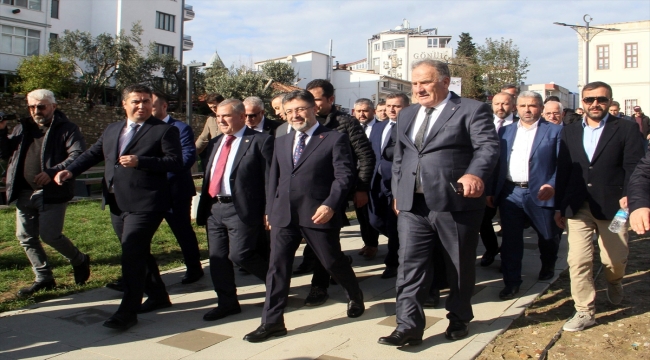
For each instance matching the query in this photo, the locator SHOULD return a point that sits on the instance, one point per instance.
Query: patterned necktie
(220, 168)
(126, 139)
(300, 147)
(419, 141)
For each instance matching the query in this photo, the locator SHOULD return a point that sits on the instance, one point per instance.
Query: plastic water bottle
(620, 221)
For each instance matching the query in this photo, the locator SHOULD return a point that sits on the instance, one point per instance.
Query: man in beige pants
(596, 159)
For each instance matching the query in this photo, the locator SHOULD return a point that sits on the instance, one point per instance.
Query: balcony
(188, 44)
(188, 13)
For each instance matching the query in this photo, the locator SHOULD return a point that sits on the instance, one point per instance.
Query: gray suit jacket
(461, 141)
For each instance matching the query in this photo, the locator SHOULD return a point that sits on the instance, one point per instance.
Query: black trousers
(422, 231)
(180, 222)
(230, 241)
(139, 268)
(284, 243)
(488, 236)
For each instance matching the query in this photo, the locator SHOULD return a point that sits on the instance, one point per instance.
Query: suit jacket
(324, 175)
(210, 131)
(461, 141)
(384, 161)
(542, 162)
(270, 126)
(638, 194)
(282, 129)
(143, 188)
(248, 177)
(603, 180)
(181, 182)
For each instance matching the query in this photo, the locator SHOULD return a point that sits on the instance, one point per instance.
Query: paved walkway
(71, 327)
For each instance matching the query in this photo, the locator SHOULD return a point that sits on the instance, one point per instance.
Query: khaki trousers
(613, 256)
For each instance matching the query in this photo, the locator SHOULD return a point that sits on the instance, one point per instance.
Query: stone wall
(91, 121)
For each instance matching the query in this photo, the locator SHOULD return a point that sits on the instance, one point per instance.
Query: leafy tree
(501, 64)
(465, 65)
(280, 72)
(237, 82)
(47, 71)
(466, 48)
(158, 71)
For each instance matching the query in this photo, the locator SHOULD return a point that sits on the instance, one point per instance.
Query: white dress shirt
(419, 119)
(260, 127)
(507, 121)
(309, 133)
(225, 181)
(386, 133)
(520, 154)
(369, 126)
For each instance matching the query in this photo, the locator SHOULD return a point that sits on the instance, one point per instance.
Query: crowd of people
(430, 176)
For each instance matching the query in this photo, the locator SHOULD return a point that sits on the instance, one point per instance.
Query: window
(54, 36)
(603, 57)
(377, 47)
(443, 43)
(631, 55)
(20, 41)
(28, 4)
(165, 21)
(55, 9)
(375, 61)
(629, 106)
(400, 43)
(387, 45)
(432, 43)
(165, 49)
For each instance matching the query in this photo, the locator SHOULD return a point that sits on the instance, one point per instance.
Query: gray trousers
(34, 219)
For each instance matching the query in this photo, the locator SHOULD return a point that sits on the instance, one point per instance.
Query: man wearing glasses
(596, 159)
(255, 118)
(38, 148)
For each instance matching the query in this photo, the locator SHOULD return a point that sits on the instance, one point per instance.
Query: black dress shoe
(36, 286)
(456, 330)
(304, 268)
(547, 272)
(117, 285)
(265, 331)
(119, 322)
(390, 272)
(433, 300)
(398, 338)
(192, 276)
(355, 308)
(152, 305)
(317, 296)
(509, 292)
(221, 312)
(488, 258)
(82, 271)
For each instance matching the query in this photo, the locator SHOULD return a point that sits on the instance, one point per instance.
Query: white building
(620, 59)
(27, 25)
(351, 85)
(392, 52)
(567, 98)
(308, 66)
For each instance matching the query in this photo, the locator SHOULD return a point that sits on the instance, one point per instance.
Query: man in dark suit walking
(232, 203)
(138, 153)
(183, 190)
(524, 187)
(445, 151)
(597, 157)
(311, 175)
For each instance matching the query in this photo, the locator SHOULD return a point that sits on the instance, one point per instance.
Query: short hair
(282, 94)
(42, 94)
(136, 88)
(597, 84)
(213, 98)
(364, 101)
(508, 95)
(254, 101)
(616, 103)
(161, 96)
(381, 103)
(328, 89)
(555, 102)
(303, 95)
(236, 105)
(399, 95)
(534, 95)
(551, 98)
(441, 67)
(510, 86)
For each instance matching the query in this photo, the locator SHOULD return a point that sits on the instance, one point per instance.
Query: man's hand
(323, 214)
(472, 185)
(559, 220)
(640, 220)
(395, 207)
(267, 226)
(62, 176)
(623, 202)
(546, 192)
(490, 201)
(129, 160)
(42, 179)
(360, 199)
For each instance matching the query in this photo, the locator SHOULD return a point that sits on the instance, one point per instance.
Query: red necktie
(215, 180)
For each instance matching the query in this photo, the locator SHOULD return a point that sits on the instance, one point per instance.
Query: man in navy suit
(525, 187)
(311, 175)
(183, 190)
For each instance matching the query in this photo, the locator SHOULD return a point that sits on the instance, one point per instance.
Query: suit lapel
(244, 144)
(143, 129)
(611, 126)
(208, 175)
(447, 112)
(509, 136)
(542, 128)
(116, 141)
(404, 125)
(315, 140)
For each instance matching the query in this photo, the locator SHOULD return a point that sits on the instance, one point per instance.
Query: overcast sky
(246, 31)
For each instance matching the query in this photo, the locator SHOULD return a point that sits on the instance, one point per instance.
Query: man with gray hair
(553, 112)
(255, 118)
(38, 148)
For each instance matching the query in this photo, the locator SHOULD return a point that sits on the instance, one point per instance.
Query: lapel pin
(246, 140)
(453, 108)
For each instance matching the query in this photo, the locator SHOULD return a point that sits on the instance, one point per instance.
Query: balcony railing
(188, 13)
(188, 44)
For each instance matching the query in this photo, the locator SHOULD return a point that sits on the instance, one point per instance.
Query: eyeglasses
(39, 107)
(252, 115)
(301, 110)
(590, 100)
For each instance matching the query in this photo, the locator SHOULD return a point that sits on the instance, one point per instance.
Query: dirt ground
(622, 332)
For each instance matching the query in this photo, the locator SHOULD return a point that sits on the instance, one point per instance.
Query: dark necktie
(220, 168)
(126, 139)
(390, 129)
(500, 123)
(419, 141)
(300, 147)
(364, 127)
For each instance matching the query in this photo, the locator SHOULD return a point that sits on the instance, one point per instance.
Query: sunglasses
(39, 107)
(590, 100)
(252, 115)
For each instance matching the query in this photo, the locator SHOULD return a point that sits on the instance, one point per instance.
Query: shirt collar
(166, 119)
(309, 131)
(601, 124)
(371, 122)
(520, 125)
(240, 132)
(510, 117)
(440, 105)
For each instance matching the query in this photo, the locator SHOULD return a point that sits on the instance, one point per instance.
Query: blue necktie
(299, 148)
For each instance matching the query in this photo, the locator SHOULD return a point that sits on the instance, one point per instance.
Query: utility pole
(188, 86)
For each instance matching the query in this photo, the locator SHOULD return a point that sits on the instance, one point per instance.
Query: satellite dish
(399, 27)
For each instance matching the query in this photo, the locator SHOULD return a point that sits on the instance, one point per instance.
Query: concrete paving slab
(17, 345)
(127, 346)
(81, 355)
(195, 340)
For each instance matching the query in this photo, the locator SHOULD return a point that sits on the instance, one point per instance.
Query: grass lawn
(90, 230)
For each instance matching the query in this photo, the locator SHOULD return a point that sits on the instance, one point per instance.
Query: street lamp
(586, 33)
(188, 86)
